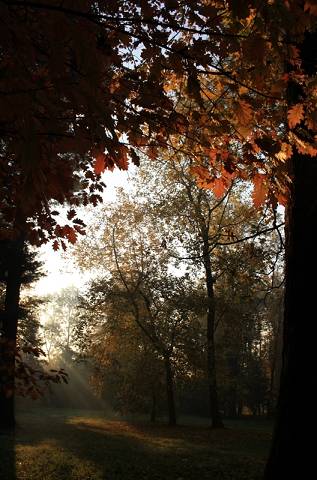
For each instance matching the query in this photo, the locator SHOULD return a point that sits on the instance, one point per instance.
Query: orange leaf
(201, 173)
(203, 178)
(219, 187)
(244, 112)
(303, 147)
(213, 155)
(260, 190)
(295, 115)
(100, 165)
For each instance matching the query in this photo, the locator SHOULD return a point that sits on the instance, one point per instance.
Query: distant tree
(60, 323)
(136, 281)
(249, 322)
(202, 230)
(125, 368)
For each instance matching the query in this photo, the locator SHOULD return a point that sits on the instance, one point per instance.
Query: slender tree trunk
(153, 408)
(232, 403)
(216, 421)
(9, 335)
(170, 391)
(298, 374)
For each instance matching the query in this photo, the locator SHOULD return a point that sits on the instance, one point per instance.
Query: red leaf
(100, 165)
(123, 161)
(260, 190)
(70, 234)
(71, 214)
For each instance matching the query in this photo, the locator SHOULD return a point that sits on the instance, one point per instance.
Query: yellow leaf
(304, 148)
(285, 153)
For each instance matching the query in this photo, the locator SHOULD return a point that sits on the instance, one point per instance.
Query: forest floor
(78, 445)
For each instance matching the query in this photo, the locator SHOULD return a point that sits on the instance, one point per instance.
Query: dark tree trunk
(216, 421)
(298, 373)
(291, 450)
(9, 319)
(275, 369)
(170, 391)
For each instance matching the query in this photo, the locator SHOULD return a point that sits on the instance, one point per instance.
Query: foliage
(207, 77)
(136, 309)
(149, 246)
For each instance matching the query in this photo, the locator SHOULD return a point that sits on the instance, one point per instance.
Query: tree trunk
(170, 392)
(153, 408)
(232, 410)
(216, 421)
(299, 337)
(291, 450)
(9, 335)
(275, 372)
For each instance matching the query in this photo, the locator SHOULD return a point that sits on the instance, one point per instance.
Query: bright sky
(60, 273)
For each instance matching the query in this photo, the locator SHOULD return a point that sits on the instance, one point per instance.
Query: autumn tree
(135, 280)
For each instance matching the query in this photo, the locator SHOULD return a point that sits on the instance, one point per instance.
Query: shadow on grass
(7, 455)
(59, 448)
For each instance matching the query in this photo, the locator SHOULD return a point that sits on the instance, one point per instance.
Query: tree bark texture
(291, 451)
(291, 441)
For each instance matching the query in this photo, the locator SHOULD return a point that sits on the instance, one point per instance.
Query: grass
(63, 445)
